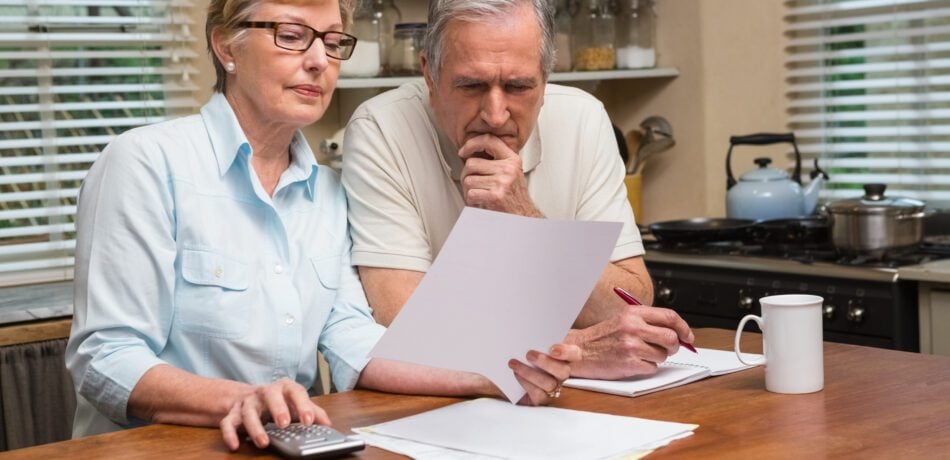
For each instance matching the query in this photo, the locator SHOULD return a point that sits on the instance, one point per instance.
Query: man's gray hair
(442, 12)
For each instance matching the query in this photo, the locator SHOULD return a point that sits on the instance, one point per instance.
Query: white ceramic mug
(791, 343)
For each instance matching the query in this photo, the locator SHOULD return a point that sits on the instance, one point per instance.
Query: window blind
(73, 75)
(869, 94)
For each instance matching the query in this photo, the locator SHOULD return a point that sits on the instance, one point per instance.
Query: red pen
(630, 299)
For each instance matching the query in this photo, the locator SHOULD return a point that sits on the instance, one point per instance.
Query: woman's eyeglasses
(298, 37)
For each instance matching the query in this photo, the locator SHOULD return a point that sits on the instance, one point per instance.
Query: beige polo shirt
(401, 175)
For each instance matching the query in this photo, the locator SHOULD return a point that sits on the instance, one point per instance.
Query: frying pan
(796, 230)
(702, 230)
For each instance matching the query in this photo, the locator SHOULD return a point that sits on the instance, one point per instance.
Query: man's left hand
(493, 179)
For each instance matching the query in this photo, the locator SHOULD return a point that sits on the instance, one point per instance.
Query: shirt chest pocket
(327, 269)
(212, 299)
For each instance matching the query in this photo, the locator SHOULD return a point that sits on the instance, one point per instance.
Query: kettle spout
(810, 198)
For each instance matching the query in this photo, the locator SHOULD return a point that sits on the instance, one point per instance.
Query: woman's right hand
(283, 401)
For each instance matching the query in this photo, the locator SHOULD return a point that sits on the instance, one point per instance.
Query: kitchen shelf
(392, 82)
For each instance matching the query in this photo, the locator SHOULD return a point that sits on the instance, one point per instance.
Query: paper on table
(422, 451)
(502, 285)
(492, 427)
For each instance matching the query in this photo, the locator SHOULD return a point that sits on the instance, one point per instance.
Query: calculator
(314, 441)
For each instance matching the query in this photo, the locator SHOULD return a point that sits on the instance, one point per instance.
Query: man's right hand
(631, 343)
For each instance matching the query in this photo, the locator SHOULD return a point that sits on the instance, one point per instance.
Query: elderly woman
(213, 256)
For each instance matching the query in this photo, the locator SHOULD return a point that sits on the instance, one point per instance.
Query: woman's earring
(229, 67)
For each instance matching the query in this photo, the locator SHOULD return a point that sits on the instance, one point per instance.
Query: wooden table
(876, 404)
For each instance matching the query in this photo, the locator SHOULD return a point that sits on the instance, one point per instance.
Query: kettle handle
(762, 139)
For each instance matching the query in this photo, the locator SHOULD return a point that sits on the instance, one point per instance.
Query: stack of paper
(494, 428)
(682, 368)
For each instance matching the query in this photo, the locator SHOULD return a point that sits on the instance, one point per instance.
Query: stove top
(808, 254)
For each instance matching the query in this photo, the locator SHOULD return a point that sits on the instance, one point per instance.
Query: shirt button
(289, 319)
(278, 269)
(218, 271)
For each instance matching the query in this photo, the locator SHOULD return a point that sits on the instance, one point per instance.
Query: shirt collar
(228, 139)
(530, 153)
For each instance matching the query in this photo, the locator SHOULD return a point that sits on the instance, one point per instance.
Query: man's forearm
(169, 395)
(629, 274)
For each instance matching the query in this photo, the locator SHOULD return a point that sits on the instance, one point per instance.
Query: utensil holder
(634, 183)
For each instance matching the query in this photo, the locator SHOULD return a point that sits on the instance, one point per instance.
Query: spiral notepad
(682, 368)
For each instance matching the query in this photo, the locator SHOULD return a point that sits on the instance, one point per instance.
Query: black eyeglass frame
(316, 34)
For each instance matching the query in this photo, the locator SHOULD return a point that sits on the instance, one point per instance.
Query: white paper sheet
(501, 286)
(495, 428)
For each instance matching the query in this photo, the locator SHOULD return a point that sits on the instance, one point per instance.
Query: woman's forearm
(166, 394)
(406, 378)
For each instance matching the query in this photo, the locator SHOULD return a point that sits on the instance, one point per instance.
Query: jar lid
(411, 25)
(874, 202)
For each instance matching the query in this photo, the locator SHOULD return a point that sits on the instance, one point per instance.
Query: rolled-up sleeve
(124, 278)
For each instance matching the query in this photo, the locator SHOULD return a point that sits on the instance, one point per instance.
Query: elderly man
(475, 134)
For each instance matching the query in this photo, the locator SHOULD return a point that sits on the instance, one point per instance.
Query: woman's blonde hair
(227, 14)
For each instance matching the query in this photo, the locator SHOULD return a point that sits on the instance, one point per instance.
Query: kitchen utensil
(657, 137)
(874, 224)
(633, 140)
(810, 230)
(769, 193)
(701, 230)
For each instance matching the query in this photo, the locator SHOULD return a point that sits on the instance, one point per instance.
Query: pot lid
(764, 173)
(874, 202)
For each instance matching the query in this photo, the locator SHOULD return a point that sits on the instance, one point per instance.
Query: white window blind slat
(37, 230)
(73, 75)
(871, 115)
(807, 135)
(801, 8)
(888, 51)
(37, 212)
(909, 33)
(81, 123)
(876, 17)
(871, 83)
(892, 66)
(33, 160)
(870, 99)
(96, 72)
(130, 89)
(33, 270)
(99, 105)
(57, 194)
(58, 176)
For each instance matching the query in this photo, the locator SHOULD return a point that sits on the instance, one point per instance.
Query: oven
(711, 287)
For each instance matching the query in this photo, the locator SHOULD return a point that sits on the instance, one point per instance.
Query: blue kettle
(769, 193)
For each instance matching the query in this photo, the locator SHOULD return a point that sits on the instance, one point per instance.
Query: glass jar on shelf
(562, 37)
(387, 16)
(636, 34)
(407, 44)
(594, 35)
(365, 59)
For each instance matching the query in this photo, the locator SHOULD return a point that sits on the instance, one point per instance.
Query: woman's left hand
(543, 381)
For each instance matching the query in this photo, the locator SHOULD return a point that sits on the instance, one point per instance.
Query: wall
(730, 57)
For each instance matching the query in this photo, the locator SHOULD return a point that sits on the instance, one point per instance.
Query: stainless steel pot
(874, 225)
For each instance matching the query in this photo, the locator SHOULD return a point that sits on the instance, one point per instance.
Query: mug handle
(744, 320)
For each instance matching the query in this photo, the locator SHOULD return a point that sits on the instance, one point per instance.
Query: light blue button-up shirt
(182, 258)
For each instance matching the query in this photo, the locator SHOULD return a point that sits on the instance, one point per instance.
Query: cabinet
(934, 311)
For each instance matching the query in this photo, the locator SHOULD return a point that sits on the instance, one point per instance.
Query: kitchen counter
(937, 271)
